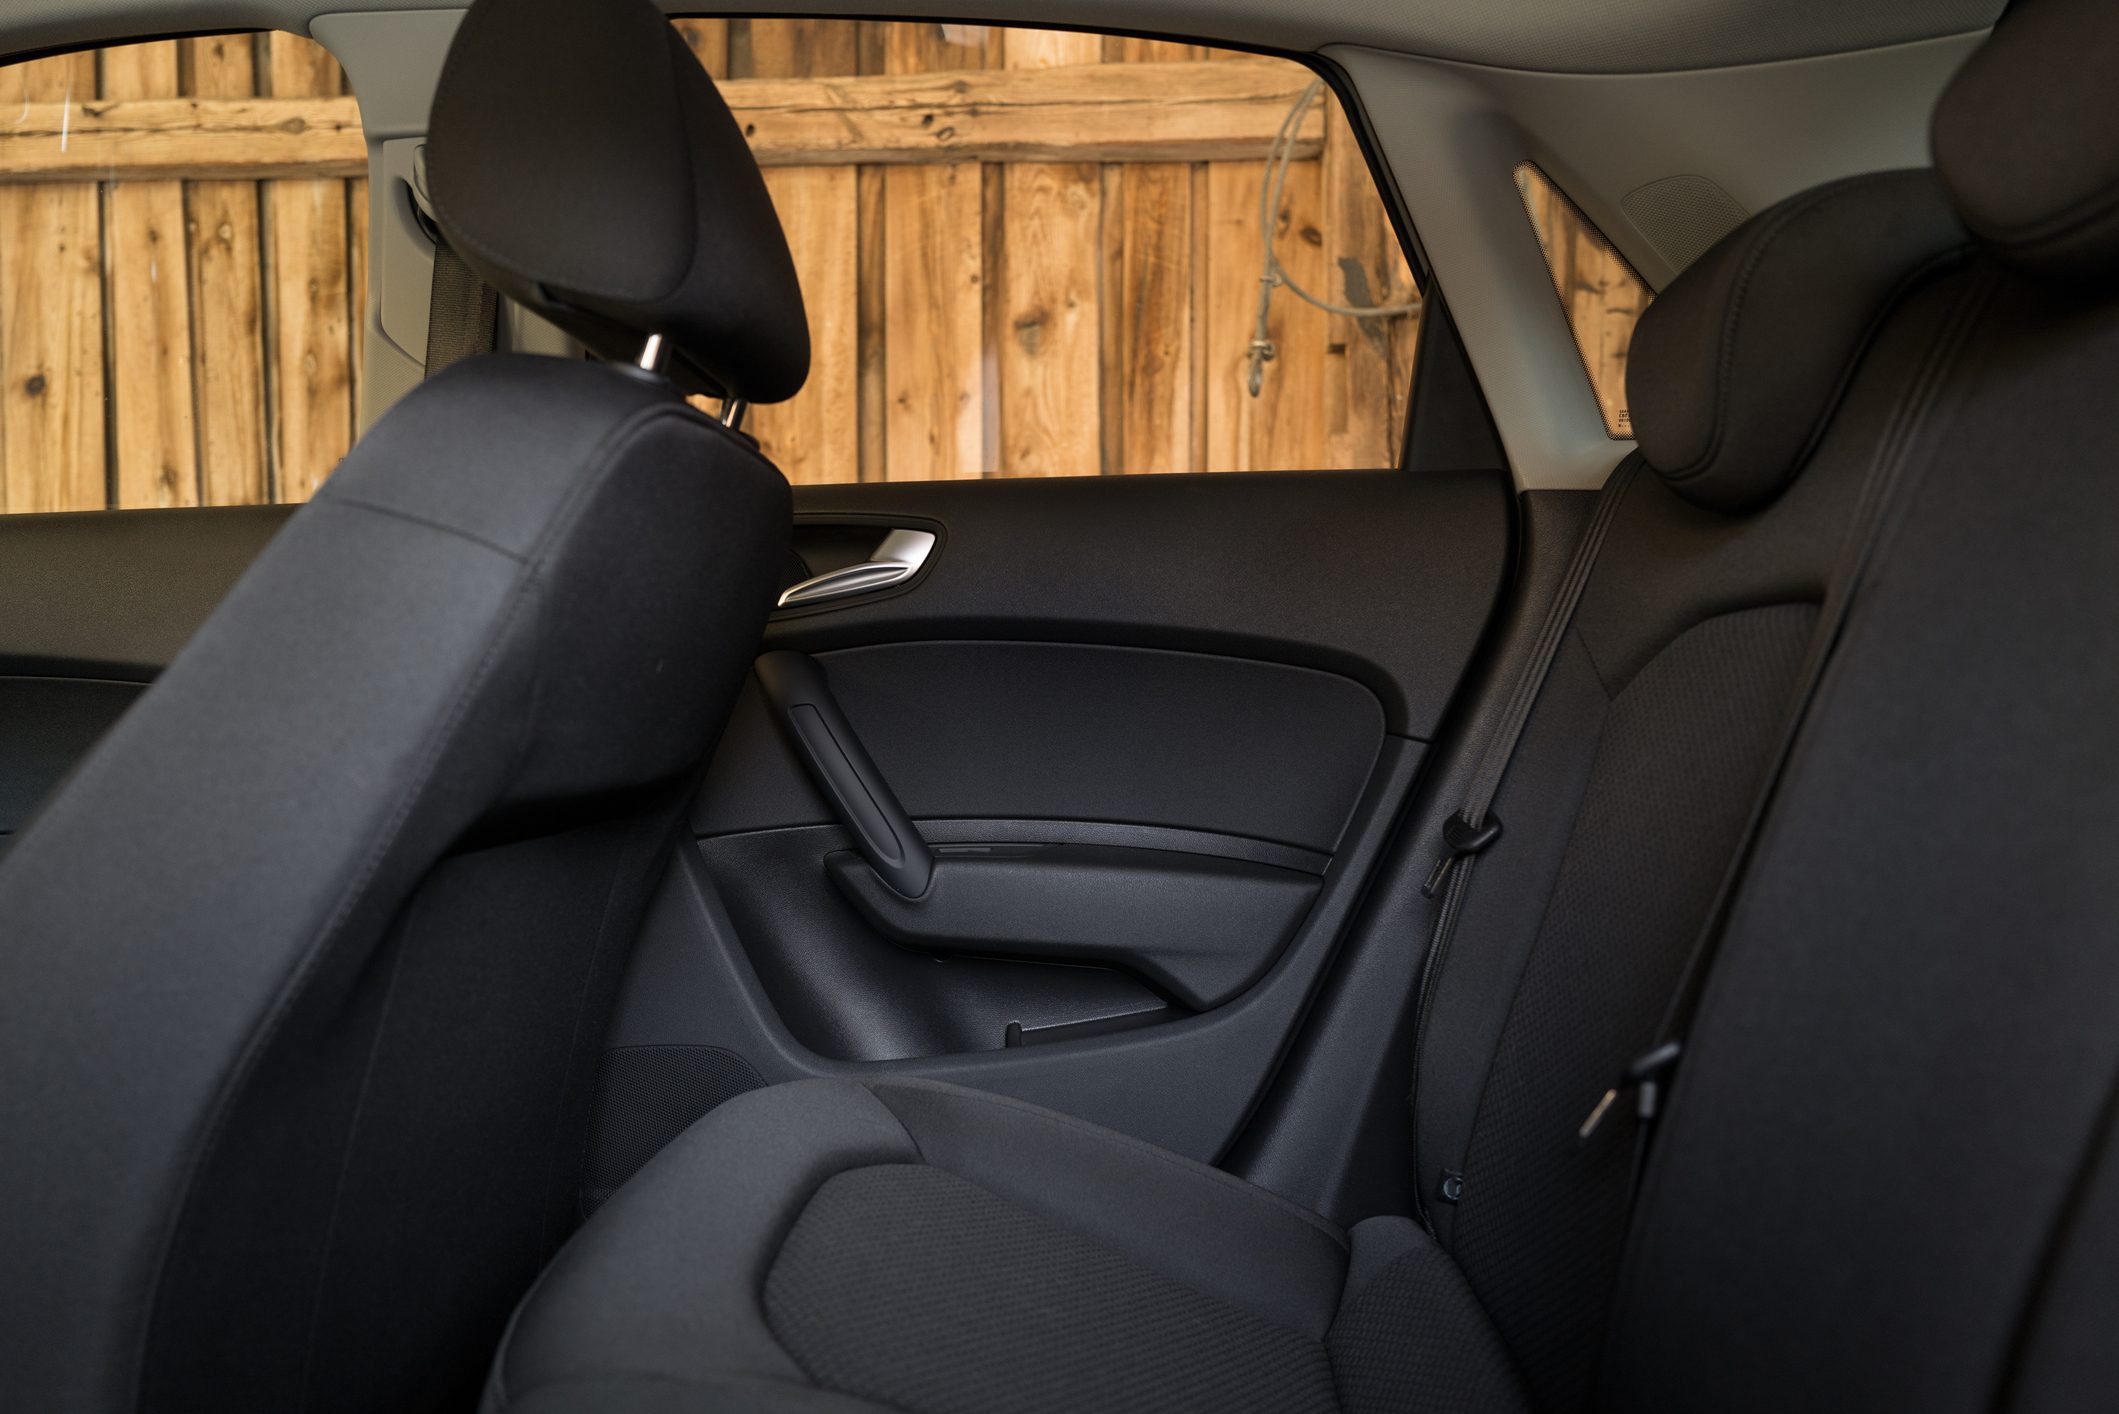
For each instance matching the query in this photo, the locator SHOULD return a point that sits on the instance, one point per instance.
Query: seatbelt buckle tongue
(1646, 1078)
(1460, 837)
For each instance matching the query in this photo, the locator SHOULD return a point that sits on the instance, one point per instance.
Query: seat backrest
(1629, 792)
(1888, 1177)
(306, 967)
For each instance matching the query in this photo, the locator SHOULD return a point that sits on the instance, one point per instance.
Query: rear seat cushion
(921, 1247)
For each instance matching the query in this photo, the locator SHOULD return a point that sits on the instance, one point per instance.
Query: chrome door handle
(896, 560)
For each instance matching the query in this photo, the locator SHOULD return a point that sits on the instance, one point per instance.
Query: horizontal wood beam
(1181, 112)
(192, 138)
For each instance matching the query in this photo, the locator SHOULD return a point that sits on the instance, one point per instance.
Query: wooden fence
(1025, 253)
(178, 332)
(1037, 253)
(1597, 288)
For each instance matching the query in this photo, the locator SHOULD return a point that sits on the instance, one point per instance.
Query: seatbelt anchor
(1460, 837)
(1646, 1077)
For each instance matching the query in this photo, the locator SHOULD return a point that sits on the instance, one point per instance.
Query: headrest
(582, 162)
(2026, 138)
(1737, 366)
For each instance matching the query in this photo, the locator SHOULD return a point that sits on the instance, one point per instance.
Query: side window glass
(1030, 253)
(180, 317)
(1597, 288)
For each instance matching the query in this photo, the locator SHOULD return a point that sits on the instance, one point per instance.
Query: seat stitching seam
(356, 503)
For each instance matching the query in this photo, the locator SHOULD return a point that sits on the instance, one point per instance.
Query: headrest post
(732, 410)
(651, 355)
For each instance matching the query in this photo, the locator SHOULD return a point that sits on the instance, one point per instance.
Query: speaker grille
(1682, 216)
(645, 1097)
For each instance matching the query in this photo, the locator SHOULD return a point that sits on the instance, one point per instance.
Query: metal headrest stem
(651, 356)
(732, 410)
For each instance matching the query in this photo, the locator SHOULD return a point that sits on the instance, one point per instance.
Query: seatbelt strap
(1474, 827)
(1649, 1076)
(463, 312)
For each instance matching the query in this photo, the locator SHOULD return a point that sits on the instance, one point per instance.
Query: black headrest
(2026, 138)
(582, 162)
(1737, 366)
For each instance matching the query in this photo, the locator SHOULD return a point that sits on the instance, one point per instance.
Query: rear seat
(1878, 1183)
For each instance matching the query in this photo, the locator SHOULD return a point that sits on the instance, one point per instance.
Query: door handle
(896, 560)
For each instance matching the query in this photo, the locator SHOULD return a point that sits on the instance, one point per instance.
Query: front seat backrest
(306, 968)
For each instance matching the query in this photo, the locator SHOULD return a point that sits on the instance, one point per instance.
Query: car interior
(612, 797)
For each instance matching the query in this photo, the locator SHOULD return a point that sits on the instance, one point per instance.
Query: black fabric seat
(307, 964)
(917, 1247)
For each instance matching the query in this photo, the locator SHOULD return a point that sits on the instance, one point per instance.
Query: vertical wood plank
(226, 275)
(1111, 316)
(1202, 265)
(1283, 428)
(802, 49)
(1047, 326)
(1155, 332)
(1295, 397)
(1124, 49)
(357, 293)
(708, 41)
(921, 47)
(872, 45)
(1365, 404)
(872, 327)
(52, 449)
(312, 388)
(934, 408)
(1048, 354)
(1602, 296)
(155, 456)
(810, 437)
(1230, 297)
(933, 285)
(1049, 48)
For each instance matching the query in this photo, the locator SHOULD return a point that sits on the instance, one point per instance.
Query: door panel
(1379, 576)
(1051, 731)
(1172, 719)
(1153, 733)
(92, 607)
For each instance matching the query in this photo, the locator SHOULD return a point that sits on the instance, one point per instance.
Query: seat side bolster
(665, 1279)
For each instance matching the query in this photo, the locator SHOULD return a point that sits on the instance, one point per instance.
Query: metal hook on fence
(1275, 275)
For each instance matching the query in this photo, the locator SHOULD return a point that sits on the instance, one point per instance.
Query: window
(179, 320)
(1598, 289)
(1025, 253)
(1031, 253)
